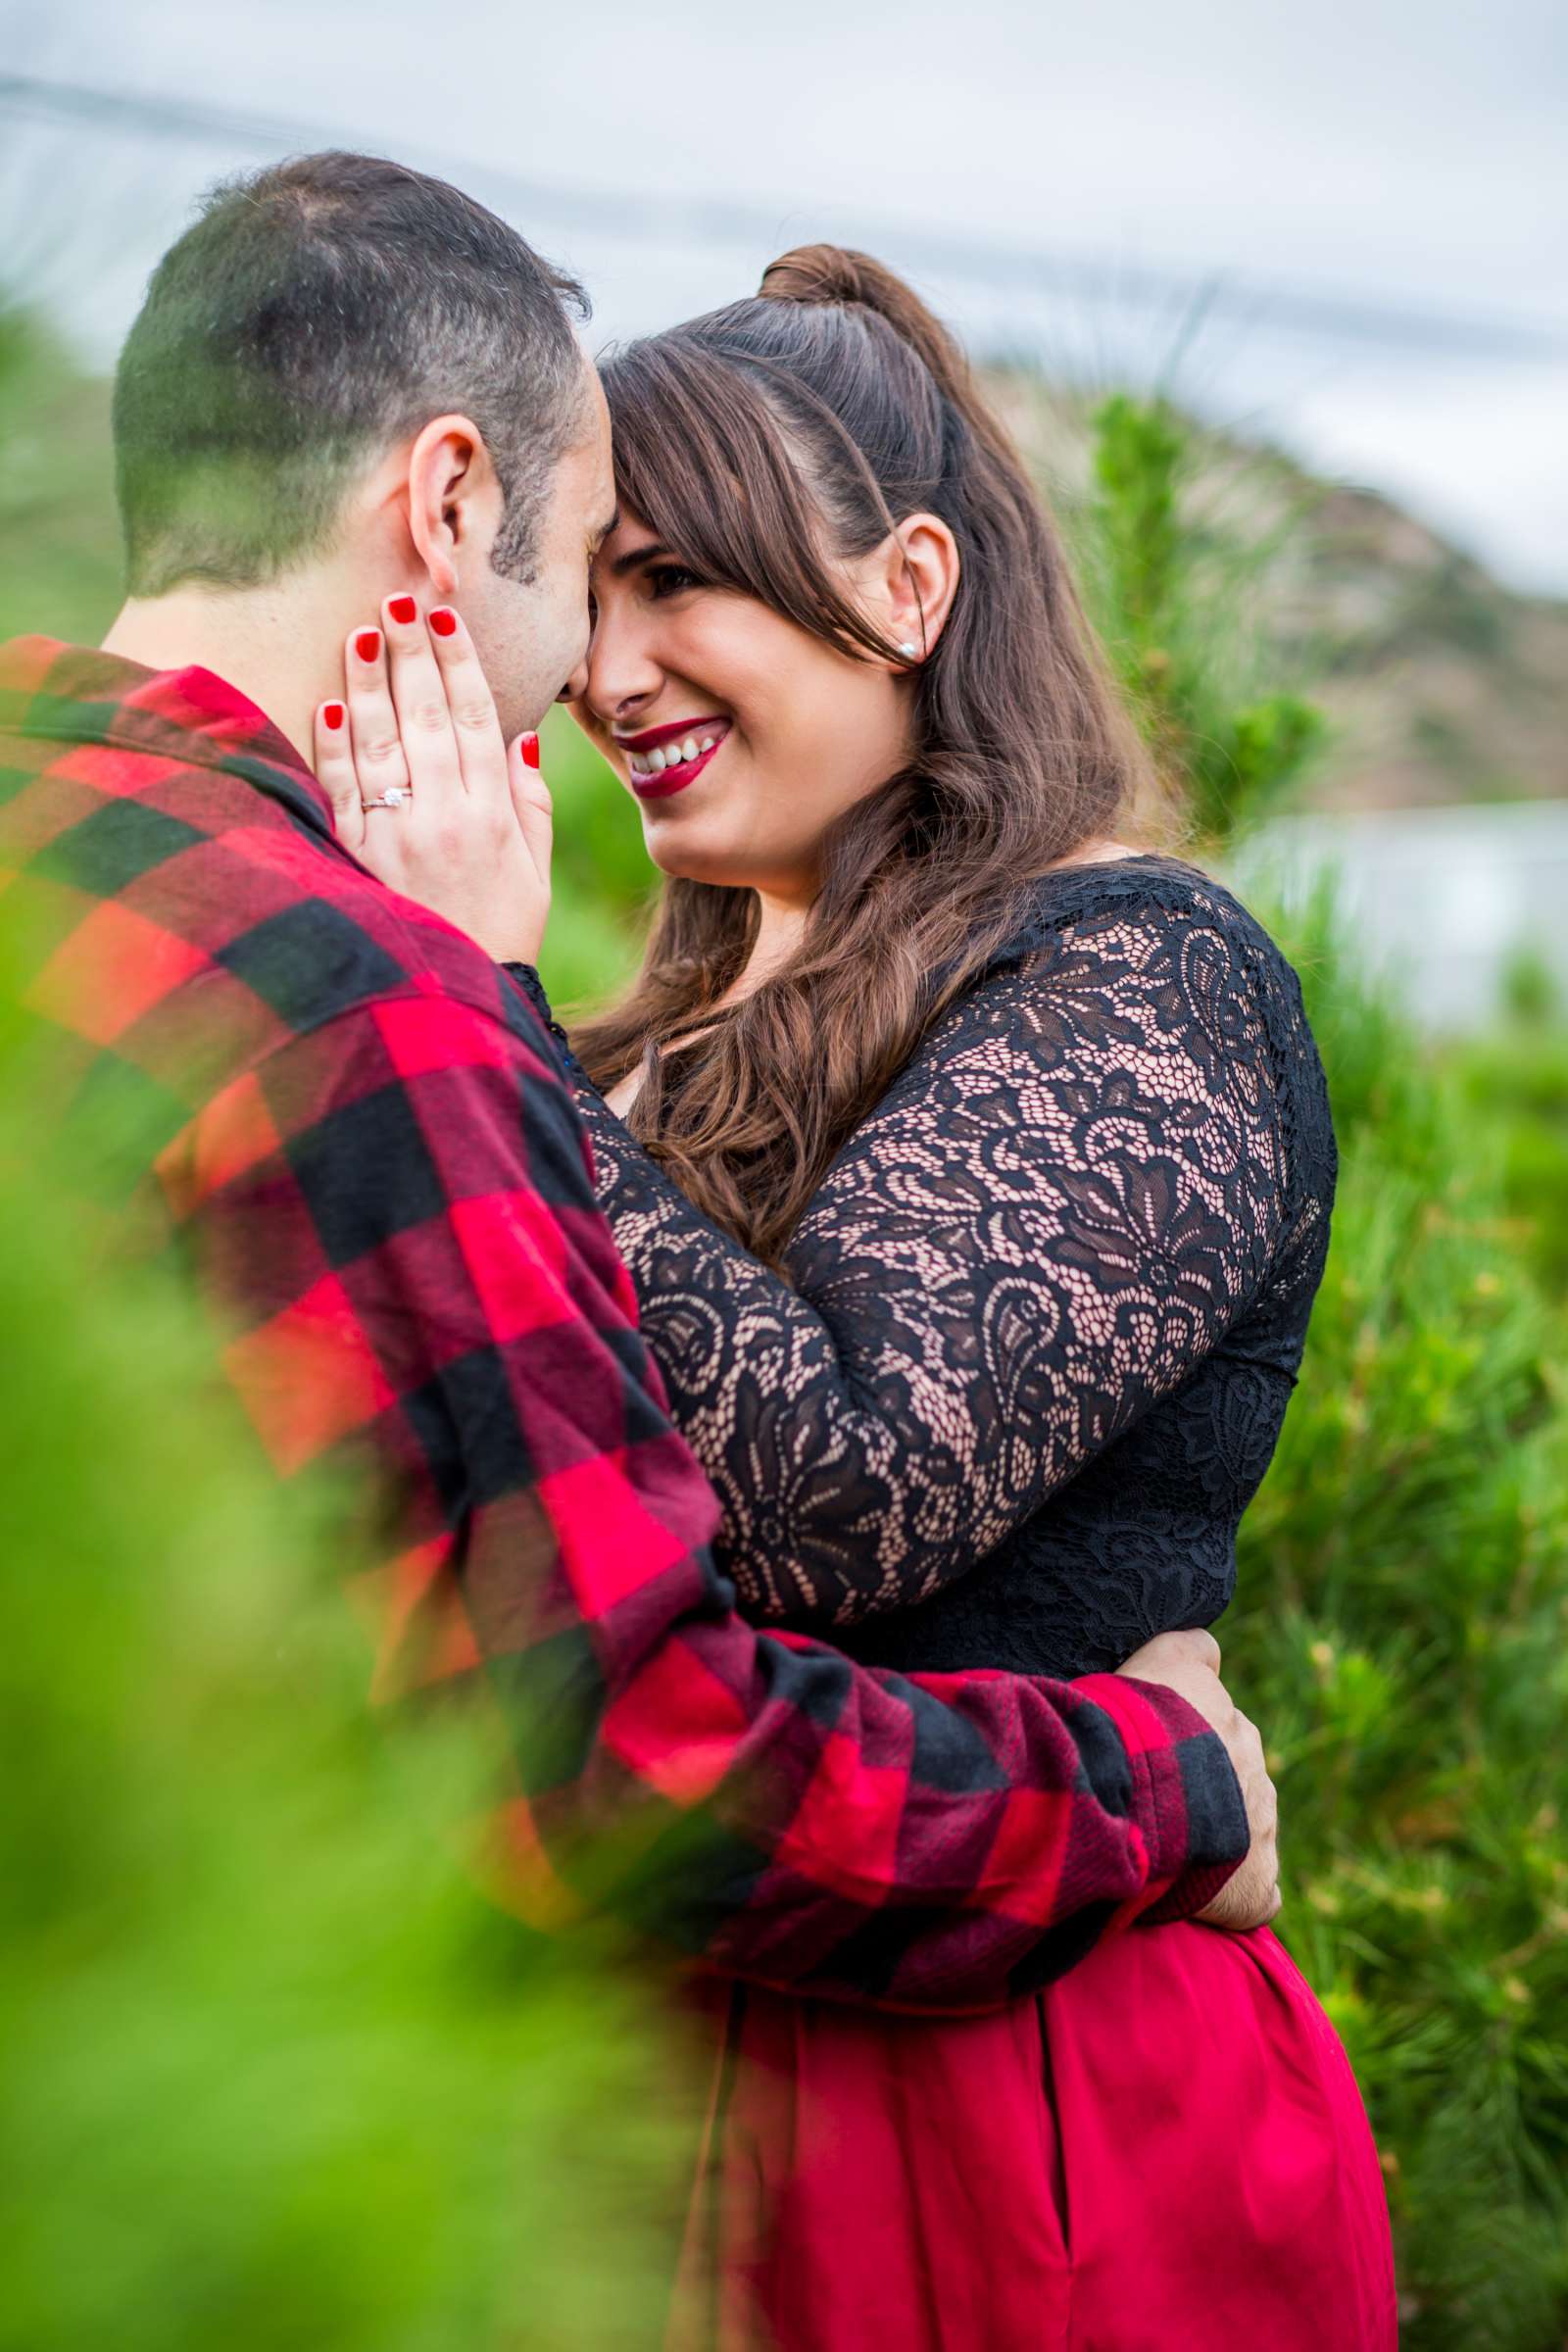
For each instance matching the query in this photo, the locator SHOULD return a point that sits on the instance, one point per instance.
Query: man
(351, 386)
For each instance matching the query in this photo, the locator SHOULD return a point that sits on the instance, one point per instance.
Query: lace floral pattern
(1045, 1310)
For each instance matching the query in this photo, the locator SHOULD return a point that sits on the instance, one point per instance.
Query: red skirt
(1166, 2151)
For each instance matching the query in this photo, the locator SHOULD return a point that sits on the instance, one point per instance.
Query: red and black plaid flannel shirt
(366, 1143)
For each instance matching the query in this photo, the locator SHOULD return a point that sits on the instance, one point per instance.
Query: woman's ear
(922, 579)
(455, 498)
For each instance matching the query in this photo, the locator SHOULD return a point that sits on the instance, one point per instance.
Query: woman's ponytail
(837, 273)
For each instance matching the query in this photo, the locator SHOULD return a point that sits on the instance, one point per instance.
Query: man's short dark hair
(312, 315)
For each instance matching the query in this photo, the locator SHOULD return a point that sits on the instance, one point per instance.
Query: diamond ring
(393, 798)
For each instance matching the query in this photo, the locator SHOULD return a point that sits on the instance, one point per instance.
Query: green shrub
(57, 500)
(1515, 1082)
(1399, 1636)
(1169, 588)
(603, 879)
(274, 2073)
(1402, 1596)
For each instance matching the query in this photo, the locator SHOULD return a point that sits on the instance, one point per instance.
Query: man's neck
(281, 646)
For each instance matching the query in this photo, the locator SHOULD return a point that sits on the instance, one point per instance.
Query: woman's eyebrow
(635, 556)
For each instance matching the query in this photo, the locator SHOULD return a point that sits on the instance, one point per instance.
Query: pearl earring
(907, 650)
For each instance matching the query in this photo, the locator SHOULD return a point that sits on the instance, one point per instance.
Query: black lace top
(1045, 1311)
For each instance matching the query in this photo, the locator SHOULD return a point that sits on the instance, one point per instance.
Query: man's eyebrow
(635, 556)
(603, 533)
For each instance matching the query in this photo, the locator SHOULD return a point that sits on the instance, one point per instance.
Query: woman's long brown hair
(761, 442)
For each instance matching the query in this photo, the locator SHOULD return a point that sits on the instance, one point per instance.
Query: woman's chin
(685, 859)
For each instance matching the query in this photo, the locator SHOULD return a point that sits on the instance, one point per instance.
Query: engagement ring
(393, 798)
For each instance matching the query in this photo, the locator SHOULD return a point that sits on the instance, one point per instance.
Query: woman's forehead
(631, 543)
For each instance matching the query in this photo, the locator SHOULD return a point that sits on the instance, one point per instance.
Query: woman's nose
(619, 676)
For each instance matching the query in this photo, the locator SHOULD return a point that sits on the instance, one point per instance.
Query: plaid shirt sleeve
(397, 1209)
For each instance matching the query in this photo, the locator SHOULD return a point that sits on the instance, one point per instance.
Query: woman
(975, 1172)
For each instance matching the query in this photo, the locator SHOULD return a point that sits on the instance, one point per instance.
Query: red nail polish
(332, 715)
(531, 751)
(443, 620)
(402, 609)
(368, 644)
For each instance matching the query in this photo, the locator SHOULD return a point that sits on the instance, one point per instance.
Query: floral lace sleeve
(1057, 1210)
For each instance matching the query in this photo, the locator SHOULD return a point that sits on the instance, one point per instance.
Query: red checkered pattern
(358, 1132)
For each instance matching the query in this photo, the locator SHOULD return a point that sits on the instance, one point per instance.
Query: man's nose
(576, 685)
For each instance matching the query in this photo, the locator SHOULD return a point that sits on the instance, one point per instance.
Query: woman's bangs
(671, 471)
(703, 458)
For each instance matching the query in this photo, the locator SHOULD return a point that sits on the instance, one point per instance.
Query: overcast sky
(1399, 158)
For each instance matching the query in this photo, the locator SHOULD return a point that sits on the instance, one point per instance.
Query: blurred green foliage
(1399, 1636)
(1515, 1083)
(1402, 1596)
(62, 576)
(275, 2073)
(603, 882)
(278, 2077)
(1169, 591)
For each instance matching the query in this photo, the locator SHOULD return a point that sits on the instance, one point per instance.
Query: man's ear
(920, 570)
(455, 498)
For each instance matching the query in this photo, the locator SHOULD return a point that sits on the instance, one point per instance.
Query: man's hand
(1187, 1663)
(424, 790)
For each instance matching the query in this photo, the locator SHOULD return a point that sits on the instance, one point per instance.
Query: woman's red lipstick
(677, 774)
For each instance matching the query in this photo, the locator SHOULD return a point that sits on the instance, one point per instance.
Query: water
(1444, 899)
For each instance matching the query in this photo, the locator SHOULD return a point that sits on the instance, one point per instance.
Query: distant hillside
(1441, 685)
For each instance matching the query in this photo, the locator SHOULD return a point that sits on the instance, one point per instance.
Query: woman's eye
(670, 579)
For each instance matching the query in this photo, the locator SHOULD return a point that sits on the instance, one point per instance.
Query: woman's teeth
(670, 755)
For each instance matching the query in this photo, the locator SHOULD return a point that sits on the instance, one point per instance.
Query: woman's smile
(664, 759)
